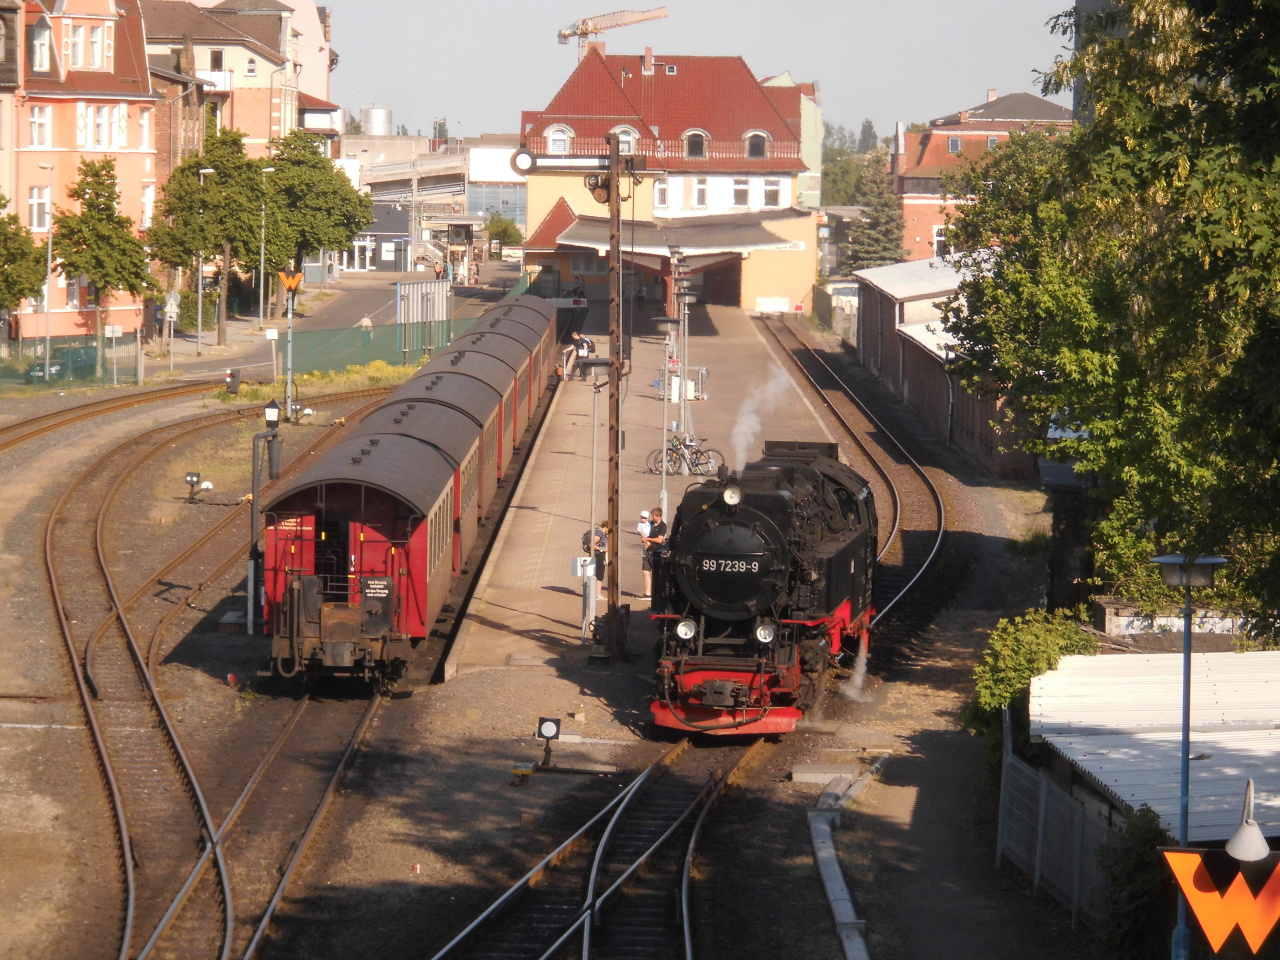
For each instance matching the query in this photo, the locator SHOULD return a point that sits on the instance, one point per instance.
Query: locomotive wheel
(811, 690)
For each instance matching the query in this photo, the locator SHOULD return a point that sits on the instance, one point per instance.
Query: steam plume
(758, 404)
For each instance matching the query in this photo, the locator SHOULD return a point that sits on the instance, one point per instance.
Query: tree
(1122, 283)
(504, 230)
(440, 129)
(877, 240)
(99, 242)
(867, 139)
(22, 261)
(402, 130)
(314, 206)
(353, 127)
(220, 218)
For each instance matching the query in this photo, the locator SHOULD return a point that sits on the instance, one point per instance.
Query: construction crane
(590, 26)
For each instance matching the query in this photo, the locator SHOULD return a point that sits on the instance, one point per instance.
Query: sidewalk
(527, 607)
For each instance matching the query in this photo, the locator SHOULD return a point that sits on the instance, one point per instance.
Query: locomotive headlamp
(767, 632)
(732, 496)
(686, 629)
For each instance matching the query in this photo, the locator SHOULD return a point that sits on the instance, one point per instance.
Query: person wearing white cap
(643, 528)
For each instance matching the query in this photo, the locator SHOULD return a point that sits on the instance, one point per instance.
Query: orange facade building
(84, 93)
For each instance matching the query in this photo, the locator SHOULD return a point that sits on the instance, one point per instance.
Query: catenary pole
(615, 385)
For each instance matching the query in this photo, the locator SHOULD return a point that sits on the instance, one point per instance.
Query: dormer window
(756, 145)
(251, 67)
(626, 140)
(953, 144)
(671, 69)
(559, 139)
(695, 145)
(40, 36)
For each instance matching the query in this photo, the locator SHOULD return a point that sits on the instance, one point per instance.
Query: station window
(660, 192)
(740, 192)
(700, 192)
(773, 193)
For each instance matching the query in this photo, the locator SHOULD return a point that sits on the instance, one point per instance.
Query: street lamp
(271, 414)
(1179, 570)
(200, 269)
(669, 326)
(262, 246)
(1248, 844)
(48, 272)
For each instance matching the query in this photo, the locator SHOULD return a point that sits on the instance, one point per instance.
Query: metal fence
(1050, 835)
(74, 361)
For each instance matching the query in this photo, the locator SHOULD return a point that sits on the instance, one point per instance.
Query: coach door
(334, 558)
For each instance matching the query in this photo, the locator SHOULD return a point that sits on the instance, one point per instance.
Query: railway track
(919, 514)
(18, 433)
(167, 835)
(619, 887)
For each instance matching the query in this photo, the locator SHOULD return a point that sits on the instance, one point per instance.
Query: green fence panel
(74, 362)
(822, 306)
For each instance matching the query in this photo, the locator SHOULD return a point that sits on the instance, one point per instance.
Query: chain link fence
(1050, 835)
(72, 361)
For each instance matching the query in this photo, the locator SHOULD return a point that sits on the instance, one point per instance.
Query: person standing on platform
(439, 270)
(583, 347)
(600, 548)
(646, 568)
(652, 543)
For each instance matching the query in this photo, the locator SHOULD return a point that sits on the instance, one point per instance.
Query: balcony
(221, 80)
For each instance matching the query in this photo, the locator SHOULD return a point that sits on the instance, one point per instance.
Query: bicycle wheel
(674, 461)
(712, 459)
(653, 462)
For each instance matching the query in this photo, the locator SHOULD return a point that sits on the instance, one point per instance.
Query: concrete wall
(769, 276)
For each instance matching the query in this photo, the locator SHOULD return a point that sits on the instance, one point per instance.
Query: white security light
(686, 629)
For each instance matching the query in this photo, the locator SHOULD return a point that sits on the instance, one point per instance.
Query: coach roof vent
(357, 459)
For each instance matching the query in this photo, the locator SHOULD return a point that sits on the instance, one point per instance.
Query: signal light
(233, 381)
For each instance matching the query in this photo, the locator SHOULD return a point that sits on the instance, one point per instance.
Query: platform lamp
(48, 274)
(668, 325)
(270, 414)
(200, 268)
(1248, 844)
(1179, 570)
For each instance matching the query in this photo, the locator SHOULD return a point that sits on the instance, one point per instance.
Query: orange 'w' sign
(1221, 912)
(291, 281)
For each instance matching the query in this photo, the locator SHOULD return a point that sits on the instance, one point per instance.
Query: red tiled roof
(928, 156)
(131, 76)
(173, 20)
(715, 95)
(558, 219)
(307, 102)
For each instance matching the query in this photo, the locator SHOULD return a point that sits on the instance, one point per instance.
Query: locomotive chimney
(722, 472)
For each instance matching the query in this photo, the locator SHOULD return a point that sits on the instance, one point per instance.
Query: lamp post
(48, 274)
(262, 246)
(1179, 570)
(271, 414)
(200, 268)
(669, 326)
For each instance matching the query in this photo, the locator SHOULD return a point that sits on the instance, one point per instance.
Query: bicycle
(685, 454)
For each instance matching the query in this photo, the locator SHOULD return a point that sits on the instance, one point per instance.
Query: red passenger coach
(361, 548)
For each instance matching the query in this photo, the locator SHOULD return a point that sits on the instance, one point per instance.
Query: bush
(187, 310)
(1139, 907)
(1018, 650)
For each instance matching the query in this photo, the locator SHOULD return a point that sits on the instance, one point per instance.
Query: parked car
(66, 363)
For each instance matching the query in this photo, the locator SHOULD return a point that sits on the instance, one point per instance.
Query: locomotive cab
(765, 577)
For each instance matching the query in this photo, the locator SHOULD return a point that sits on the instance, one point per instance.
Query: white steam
(758, 404)
(851, 689)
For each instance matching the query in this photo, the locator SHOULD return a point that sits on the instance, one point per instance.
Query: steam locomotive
(765, 579)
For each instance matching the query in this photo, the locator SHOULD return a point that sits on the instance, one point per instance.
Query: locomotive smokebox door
(378, 605)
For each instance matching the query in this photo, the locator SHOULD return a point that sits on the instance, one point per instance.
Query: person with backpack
(600, 549)
(583, 348)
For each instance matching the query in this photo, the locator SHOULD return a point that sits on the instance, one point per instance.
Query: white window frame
(774, 185)
(76, 46)
(4, 36)
(953, 146)
(144, 128)
(559, 140)
(101, 128)
(588, 263)
(148, 205)
(41, 126)
(38, 209)
(251, 67)
(73, 293)
(41, 42)
(96, 58)
(992, 141)
(749, 138)
(627, 137)
(940, 246)
(661, 192)
(700, 192)
(741, 192)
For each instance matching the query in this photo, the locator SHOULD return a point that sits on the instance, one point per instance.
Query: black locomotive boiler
(767, 576)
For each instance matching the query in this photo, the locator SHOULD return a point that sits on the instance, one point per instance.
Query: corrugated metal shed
(913, 280)
(931, 336)
(1118, 720)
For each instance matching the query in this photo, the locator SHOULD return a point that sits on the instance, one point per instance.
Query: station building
(725, 173)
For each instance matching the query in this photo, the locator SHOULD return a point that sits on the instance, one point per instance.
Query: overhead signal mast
(590, 26)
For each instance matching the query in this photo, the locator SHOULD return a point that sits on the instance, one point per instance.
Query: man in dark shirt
(653, 542)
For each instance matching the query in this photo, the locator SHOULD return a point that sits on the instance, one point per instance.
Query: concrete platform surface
(527, 610)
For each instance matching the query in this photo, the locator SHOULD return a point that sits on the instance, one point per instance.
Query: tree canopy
(504, 230)
(1123, 283)
(98, 241)
(22, 261)
(313, 205)
(876, 239)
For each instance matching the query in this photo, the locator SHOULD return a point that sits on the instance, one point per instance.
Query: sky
(478, 63)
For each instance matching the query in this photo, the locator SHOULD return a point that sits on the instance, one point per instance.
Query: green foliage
(504, 230)
(440, 129)
(1124, 282)
(1139, 908)
(187, 316)
(313, 206)
(867, 139)
(22, 261)
(1018, 650)
(844, 157)
(877, 240)
(355, 377)
(353, 127)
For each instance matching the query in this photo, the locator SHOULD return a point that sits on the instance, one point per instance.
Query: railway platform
(526, 611)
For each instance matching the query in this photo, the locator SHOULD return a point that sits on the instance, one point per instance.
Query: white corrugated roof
(1119, 721)
(931, 336)
(914, 279)
(1144, 768)
(1132, 692)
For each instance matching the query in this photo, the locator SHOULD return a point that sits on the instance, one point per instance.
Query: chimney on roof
(991, 94)
(899, 140)
(647, 69)
(964, 116)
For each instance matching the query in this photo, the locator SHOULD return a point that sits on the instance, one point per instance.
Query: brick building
(921, 158)
(180, 108)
